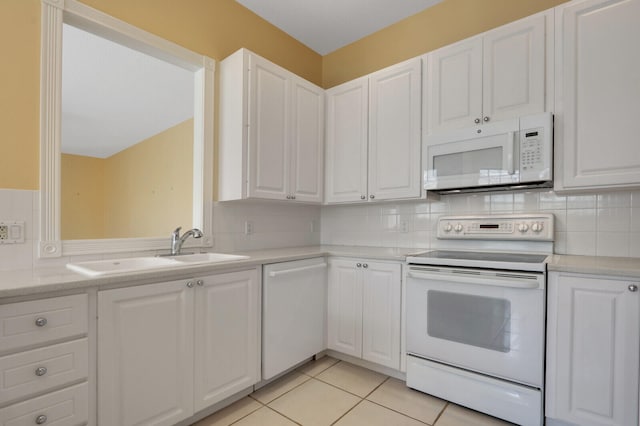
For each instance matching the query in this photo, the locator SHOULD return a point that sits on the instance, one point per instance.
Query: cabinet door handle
(364, 265)
(359, 265)
(190, 284)
(41, 419)
(486, 118)
(477, 121)
(41, 371)
(41, 321)
(288, 197)
(633, 287)
(372, 196)
(363, 197)
(200, 283)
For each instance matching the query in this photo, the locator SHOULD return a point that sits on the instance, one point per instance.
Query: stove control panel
(530, 227)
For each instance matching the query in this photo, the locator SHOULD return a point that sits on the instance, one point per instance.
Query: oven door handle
(511, 282)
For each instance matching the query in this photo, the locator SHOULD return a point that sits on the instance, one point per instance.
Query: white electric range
(476, 316)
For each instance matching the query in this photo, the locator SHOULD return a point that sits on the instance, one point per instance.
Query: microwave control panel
(536, 147)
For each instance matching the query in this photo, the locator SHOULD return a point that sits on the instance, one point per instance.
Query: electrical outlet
(248, 227)
(11, 232)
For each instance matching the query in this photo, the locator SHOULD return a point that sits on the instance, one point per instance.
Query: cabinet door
(381, 314)
(394, 131)
(344, 314)
(347, 115)
(514, 69)
(598, 94)
(227, 334)
(145, 354)
(307, 142)
(269, 104)
(454, 86)
(592, 371)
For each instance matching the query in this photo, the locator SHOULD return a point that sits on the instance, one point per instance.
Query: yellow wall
(20, 94)
(215, 28)
(82, 196)
(440, 25)
(149, 188)
(143, 191)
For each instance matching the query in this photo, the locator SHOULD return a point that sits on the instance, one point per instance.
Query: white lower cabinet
(363, 318)
(593, 360)
(168, 350)
(44, 362)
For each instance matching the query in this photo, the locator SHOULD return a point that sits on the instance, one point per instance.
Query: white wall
(605, 224)
(596, 224)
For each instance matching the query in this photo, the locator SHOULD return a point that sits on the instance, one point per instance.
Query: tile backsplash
(605, 224)
(595, 224)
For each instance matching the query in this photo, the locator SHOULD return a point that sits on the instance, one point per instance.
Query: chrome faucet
(177, 240)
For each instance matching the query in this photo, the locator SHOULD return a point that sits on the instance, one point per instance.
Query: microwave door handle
(511, 140)
(511, 282)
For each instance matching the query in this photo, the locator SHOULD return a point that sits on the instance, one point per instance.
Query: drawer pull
(41, 419)
(41, 371)
(41, 321)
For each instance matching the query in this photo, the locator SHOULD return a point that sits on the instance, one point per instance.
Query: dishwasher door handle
(294, 270)
(496, 281)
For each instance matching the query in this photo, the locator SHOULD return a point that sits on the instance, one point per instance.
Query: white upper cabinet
(592, 350)
(271, 132)
(307, 142)
(494, 76)
(347, 139)
(597, 94)
(454, 85)
(373, 136)
(394, 132)
(269, 106)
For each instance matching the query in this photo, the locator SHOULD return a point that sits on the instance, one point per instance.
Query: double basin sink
(133, 264)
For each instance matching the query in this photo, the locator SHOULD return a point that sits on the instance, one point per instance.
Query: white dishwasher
(294, 311)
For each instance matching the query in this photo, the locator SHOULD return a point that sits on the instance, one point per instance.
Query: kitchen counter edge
(595, 265)
(26, 282)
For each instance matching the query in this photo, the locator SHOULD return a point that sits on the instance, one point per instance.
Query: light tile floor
(331, 392)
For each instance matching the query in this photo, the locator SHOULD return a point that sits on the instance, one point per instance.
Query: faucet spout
(177, 241)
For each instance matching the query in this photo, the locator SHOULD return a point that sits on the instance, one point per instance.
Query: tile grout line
(400, 412)
(248, 414)
(441, 413)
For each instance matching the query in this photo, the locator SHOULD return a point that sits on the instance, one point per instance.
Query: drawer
(41, 321)
(38, 370)
(66, 407)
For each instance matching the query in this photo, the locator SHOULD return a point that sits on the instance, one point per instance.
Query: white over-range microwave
(509, 154)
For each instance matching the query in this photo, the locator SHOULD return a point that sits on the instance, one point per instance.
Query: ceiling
(327, 25)
(114, 97)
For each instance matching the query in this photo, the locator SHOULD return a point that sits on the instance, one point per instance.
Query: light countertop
(27, 282)
(595, 265)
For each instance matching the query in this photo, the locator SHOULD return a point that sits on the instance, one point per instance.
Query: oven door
(487, 321)
(463, 158)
